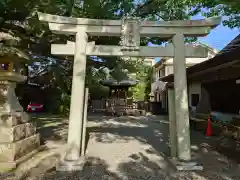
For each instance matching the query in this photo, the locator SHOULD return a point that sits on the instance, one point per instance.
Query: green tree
(183, 9)
(230, 9)
(144, 77)
(19, 20)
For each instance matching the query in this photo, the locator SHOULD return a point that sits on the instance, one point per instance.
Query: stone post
(77, 98)
(172, 122)
(181, 99)
(204, 105)
(84, 122)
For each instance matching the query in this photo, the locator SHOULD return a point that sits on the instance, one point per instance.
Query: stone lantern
(18, 138)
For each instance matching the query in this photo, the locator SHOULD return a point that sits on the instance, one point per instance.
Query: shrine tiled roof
(112, 82)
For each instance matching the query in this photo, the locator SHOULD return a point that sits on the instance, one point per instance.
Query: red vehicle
(34, 107)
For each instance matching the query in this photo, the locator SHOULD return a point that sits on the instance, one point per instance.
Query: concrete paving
(137, 148)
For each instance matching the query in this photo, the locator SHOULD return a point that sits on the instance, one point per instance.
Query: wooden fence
(123, 106)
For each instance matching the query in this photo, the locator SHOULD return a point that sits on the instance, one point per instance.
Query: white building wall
(166, 68)
(192, 61)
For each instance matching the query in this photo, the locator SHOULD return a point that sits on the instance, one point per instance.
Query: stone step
(10, 152)
(16, 133)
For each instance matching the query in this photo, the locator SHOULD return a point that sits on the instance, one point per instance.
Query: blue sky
(218, 38)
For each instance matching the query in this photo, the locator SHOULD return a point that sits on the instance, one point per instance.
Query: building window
(194, 99)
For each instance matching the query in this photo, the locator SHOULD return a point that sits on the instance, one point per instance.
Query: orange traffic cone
(209, 127)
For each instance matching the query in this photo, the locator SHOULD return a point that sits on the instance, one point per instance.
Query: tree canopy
(18, 19)
(230, 9)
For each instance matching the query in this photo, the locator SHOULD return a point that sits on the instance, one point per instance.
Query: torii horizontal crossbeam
(99, 27)
(145, 51)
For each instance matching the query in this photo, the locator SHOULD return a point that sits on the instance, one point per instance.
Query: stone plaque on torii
(130, 31)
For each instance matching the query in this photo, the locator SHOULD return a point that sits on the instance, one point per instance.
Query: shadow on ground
(51, 127)
(151, 163)
(98, 169)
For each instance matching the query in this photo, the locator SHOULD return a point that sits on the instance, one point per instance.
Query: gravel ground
(124, 148)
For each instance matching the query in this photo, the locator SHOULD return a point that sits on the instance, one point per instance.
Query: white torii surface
(101, 50)
(99, 27)
(82, 27)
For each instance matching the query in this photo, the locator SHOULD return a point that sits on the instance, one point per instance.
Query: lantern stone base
(18, 139)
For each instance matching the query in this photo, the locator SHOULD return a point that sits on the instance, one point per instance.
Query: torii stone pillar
(181, 99)
(77, 98)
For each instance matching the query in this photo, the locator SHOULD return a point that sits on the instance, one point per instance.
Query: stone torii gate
(128, 30)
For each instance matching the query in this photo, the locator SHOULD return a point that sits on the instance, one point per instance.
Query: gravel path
(124, 148)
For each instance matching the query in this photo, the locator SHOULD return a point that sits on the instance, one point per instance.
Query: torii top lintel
(99, 27)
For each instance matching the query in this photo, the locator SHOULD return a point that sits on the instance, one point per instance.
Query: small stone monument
(18, 138)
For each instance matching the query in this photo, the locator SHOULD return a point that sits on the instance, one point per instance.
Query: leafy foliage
(8, 46)
(183, 9)
(18, 19)
(228, 8)
(144, 77)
